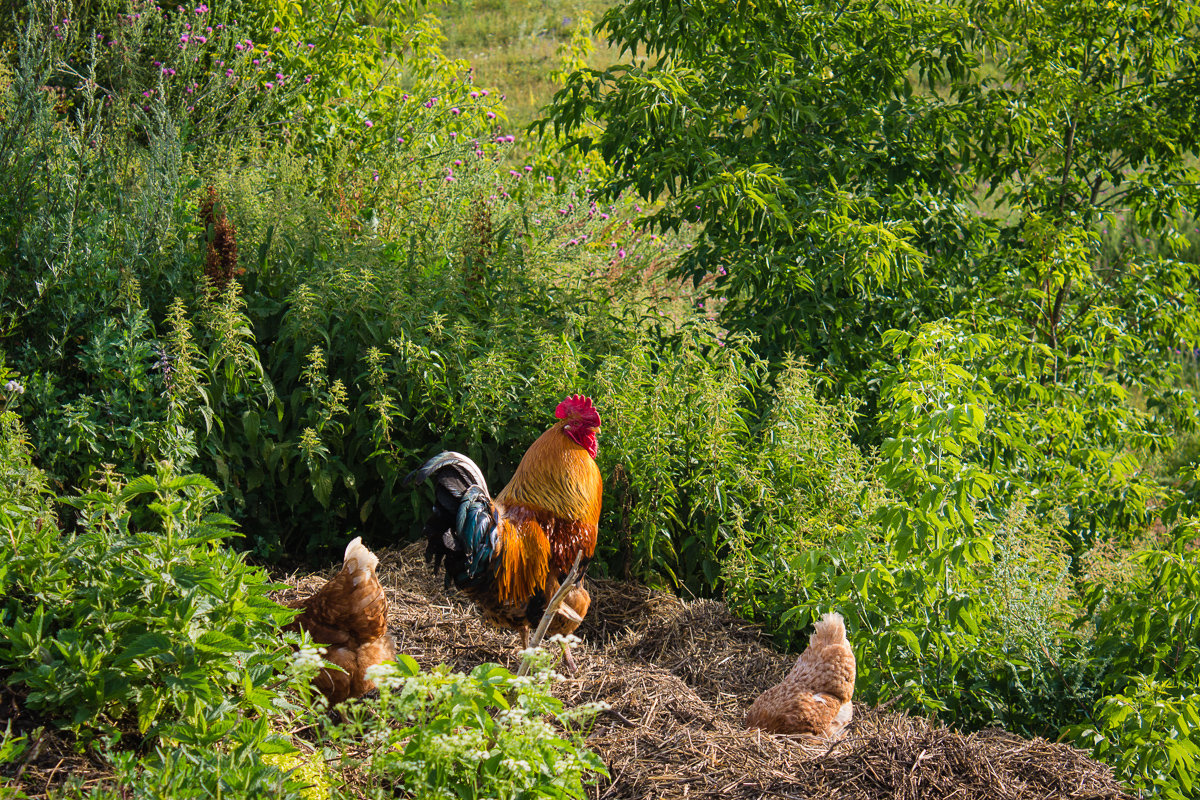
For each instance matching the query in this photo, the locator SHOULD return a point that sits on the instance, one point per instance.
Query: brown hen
(814, 698)
(348, 615)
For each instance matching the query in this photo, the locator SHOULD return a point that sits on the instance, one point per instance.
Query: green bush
(231, 752)
(1150, 734)
(1146, 641)
(141, 616)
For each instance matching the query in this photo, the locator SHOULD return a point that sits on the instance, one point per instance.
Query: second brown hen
(348, 615)
(814, 698)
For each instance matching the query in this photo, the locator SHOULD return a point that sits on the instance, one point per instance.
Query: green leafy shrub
(229, 753)
(1146, 645)
(143, 616)
(135, 397)
(142, 621)
(1150, 734)
(23, 486)
(981, 416)
(1151, 625)
(714, 462)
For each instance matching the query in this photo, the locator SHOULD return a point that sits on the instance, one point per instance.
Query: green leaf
(148, 709)
(218, 642)
(146, 645)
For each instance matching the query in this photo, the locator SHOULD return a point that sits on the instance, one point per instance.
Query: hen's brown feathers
(349, 616)
(815, 696)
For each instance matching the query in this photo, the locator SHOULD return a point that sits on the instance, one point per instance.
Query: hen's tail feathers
(827, 665)
(359, 561)
(461, 531)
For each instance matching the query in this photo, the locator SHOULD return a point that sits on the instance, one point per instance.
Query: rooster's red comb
(576, 405)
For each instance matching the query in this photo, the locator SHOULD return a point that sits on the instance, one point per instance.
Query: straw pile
(679, 676)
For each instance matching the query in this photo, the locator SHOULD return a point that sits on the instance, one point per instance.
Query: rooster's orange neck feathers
(559, 476)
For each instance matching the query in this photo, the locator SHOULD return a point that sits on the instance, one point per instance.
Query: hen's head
(582, 421)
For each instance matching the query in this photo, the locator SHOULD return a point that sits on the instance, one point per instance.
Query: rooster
(814, 698)
(511, 553)
(349, 616)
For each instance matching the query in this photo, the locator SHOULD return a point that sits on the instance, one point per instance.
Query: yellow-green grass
(513, 45)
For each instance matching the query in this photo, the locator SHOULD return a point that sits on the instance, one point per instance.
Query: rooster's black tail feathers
(461, 531)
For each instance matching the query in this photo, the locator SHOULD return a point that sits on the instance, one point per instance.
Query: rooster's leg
(524, 637)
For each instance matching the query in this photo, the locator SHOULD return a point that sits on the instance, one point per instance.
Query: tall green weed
(97, 219)
(1146, 631)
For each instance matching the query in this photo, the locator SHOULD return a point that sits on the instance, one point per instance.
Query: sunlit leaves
(143, 611)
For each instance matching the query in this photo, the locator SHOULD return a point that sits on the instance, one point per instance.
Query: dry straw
(679, 677)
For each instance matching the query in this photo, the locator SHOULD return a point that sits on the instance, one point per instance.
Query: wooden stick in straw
(552, 609)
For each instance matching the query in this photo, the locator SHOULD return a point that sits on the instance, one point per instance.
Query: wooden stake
(552, 609)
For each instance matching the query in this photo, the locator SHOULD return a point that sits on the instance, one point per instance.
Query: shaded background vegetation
(887, 309)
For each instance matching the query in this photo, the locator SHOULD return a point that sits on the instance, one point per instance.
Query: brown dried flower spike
(220, 262)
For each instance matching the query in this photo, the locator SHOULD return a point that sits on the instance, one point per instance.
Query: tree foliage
(863, 166)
